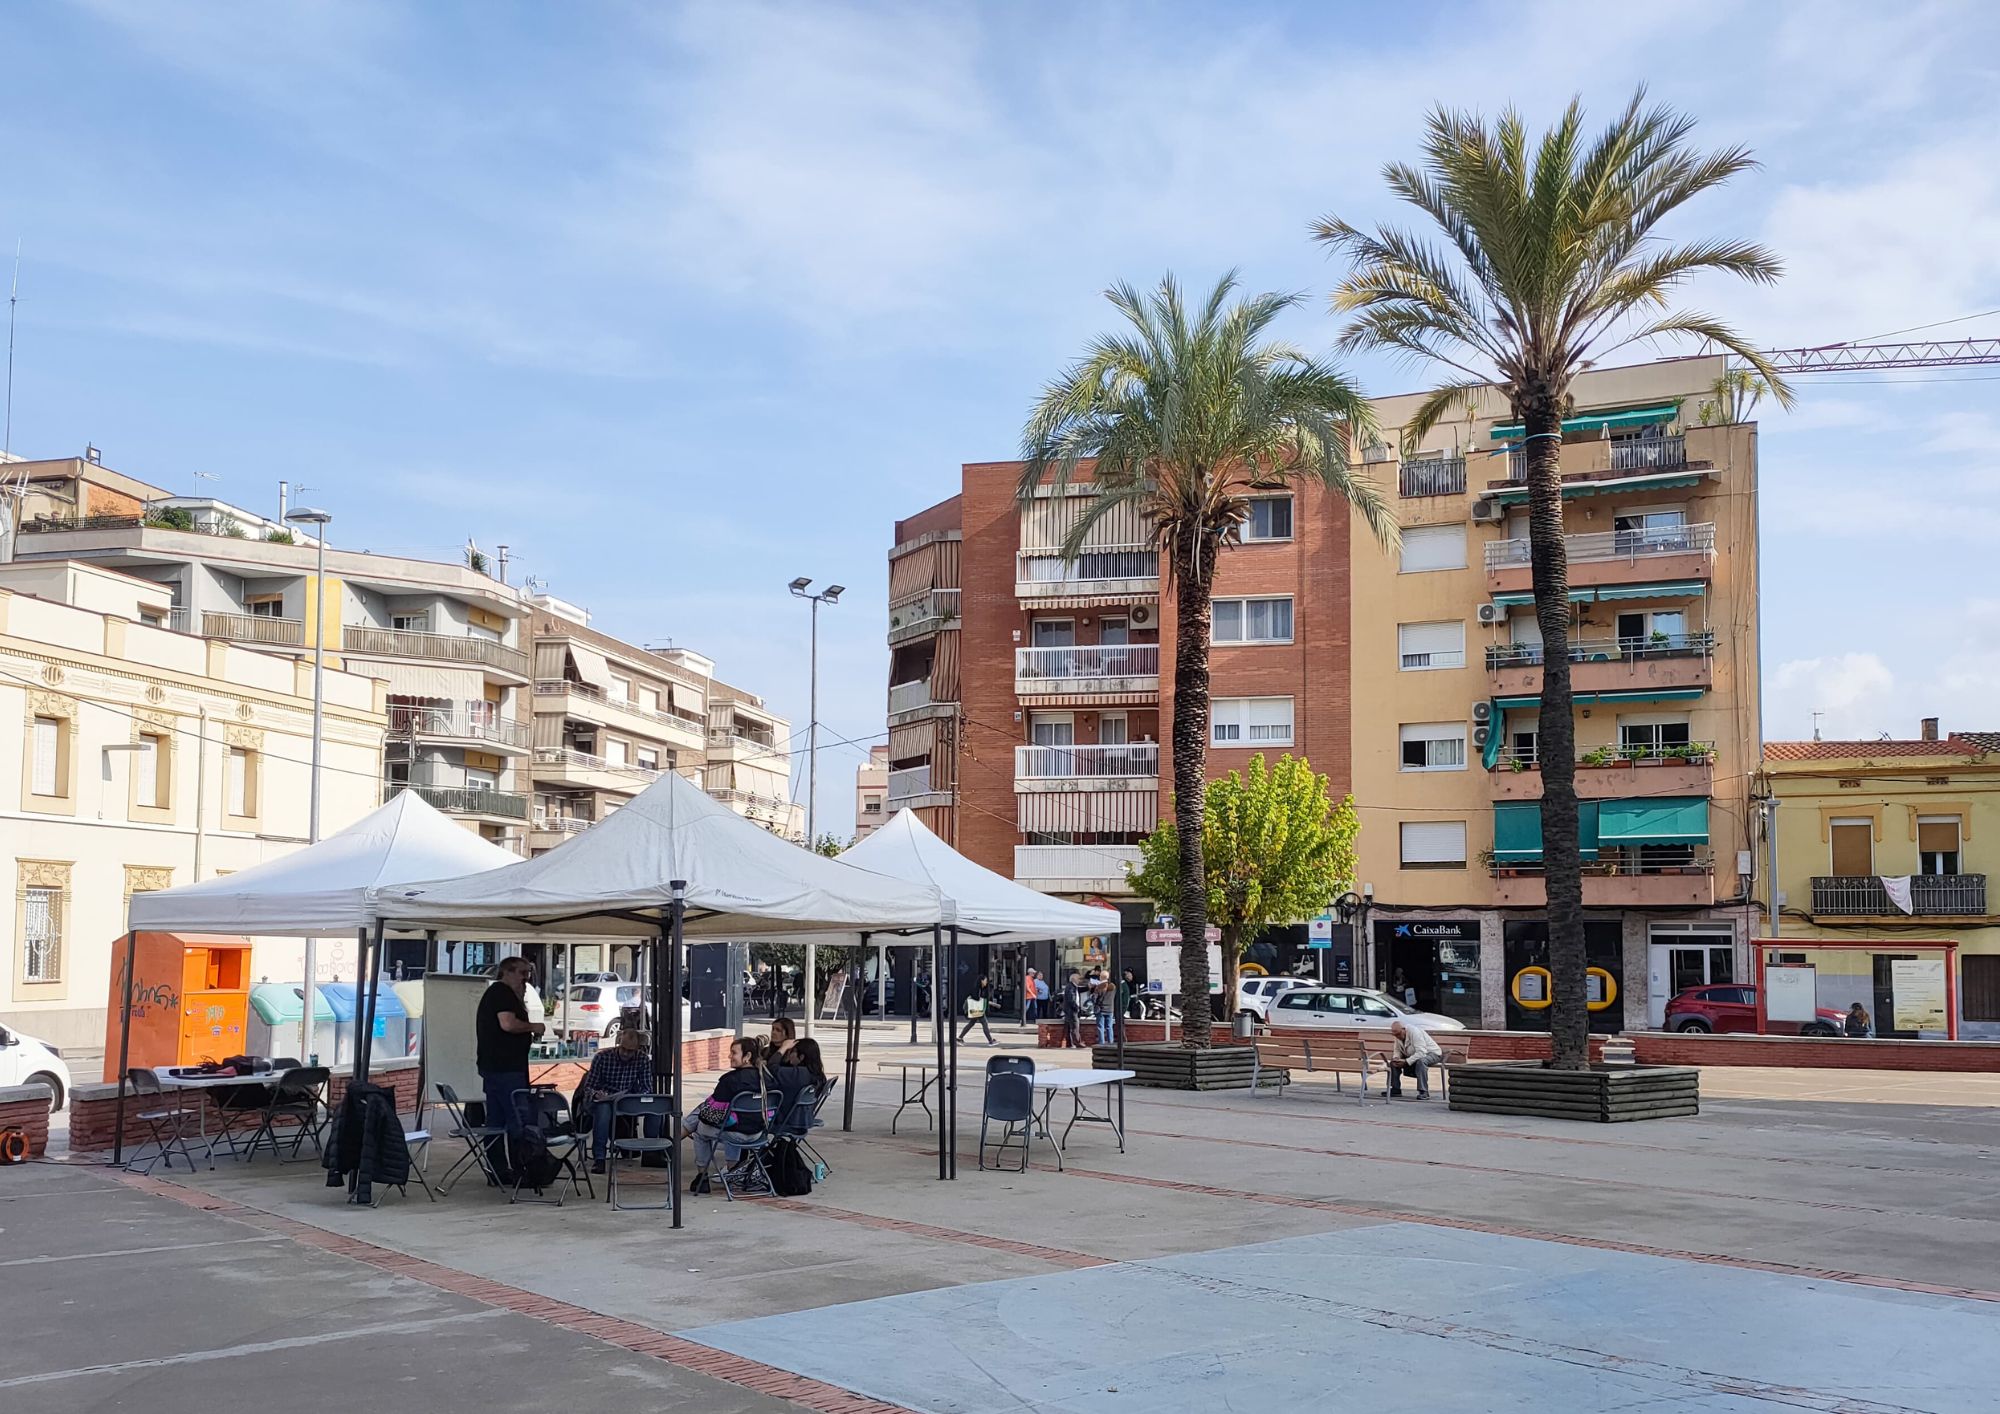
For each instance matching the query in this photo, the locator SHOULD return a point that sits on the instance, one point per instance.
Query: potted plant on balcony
(1601, 756)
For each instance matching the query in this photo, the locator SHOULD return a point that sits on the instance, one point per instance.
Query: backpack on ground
(537, 1167)
(791, 1175)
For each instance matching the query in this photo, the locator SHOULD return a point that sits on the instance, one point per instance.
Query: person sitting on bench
(1416, 1053)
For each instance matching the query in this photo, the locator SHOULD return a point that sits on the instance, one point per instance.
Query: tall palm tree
(1183, 416)
(1550, 260)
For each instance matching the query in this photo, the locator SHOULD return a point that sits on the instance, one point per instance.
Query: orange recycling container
(190, 1000)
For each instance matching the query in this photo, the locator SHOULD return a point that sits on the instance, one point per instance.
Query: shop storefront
(1437, 958)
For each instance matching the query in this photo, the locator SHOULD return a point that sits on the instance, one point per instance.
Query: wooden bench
(1341, 1053)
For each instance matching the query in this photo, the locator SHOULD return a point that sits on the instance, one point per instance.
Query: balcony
(1649, 453)
(1931, 896)
(1109, 673)
(912, 786)
(1127, 766)
(909, 696)
(458, 723)
(1609, 557)
(1075, 868)
(1099, 573)
(593, 704)
(563, 765)
(923, 614)
(368, 641)
(255, 628)
(469, 800)
(724, 745)
(1432, 476)
(1623, 773)
(1619, 879)
(1668, 662)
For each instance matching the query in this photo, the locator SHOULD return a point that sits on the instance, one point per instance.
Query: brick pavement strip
(801, 1390)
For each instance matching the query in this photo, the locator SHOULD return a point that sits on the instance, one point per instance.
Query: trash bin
(1245, 1026)
(411, 995)
(275, 1008)
(391, 1022)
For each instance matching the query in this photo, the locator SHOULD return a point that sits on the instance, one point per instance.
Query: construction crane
(1844, 358)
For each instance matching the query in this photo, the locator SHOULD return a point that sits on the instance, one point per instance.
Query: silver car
(1254, 995)
(1349, 1007)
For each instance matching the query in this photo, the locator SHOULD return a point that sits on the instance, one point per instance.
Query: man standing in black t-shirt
(504, 1034)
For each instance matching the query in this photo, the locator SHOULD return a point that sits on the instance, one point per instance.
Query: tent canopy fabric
(985, 905)
(324, 888)
(615, 880)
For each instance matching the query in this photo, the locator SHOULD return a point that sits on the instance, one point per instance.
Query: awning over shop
(1665, 820)
(1677, 589)
(1598, 421)
(1517, 831)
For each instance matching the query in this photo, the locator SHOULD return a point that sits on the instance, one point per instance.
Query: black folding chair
(476, 1137)
(639, 1109)
(166, 1121)
(745, 1152)
(547, 1113)
(1010, 1099)
(1010, 1065)
(299, 1096)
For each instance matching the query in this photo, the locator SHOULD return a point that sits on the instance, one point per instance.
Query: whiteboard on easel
(1791, 992)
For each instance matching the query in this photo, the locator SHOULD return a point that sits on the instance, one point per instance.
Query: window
(240, 783)
(411, 623)
(1380, 1010)
(649, 758)
(1652, 735)
(265, 607)
(1250, 721)
(152, 771)
(1641, 532)
(1434, 746)
(1937, 844)
(871, 806)
(649, 699)
(49, 777)
(1852, 845)
(1433, 547)
(1114, 631)
(1270, 518)
(621, 689)
(481, 781)
(1253, 620)
(1052, 729)
(1296, 1001)
(1662, 627)
(617, 752)
(42, 935)
(1112, 729)
(1053, 633)
(1428, 646)
(1433, 844)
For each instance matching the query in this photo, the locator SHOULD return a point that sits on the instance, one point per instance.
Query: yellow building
(1661, 516)
(1863, 827)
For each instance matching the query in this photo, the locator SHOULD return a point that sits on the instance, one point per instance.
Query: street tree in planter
(1275, 848)
(1550, 260)
(1182, 418)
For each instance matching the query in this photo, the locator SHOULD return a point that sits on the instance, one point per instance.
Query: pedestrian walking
(975, 1011)
(1104, 997)
(1030, 999)
(1075, 1001)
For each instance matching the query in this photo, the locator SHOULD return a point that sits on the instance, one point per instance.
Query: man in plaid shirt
(623, 1069)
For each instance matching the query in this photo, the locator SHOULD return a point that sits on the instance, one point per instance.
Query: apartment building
(871, 792)
(147, 758)
(445, 640)
(750, 761)
(1027, 696)
(1881, 842)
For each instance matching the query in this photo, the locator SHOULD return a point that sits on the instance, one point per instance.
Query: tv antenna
(1817, 714)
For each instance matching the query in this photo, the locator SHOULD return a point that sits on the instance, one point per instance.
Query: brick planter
(26, 1108)
(1601, 1095)
(1173, 1067)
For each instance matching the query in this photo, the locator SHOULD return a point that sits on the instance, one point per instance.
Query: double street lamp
(802, 588)
(318, 520)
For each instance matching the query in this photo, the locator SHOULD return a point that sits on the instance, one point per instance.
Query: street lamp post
(802, 588)
(1352, 910)
(318, 520)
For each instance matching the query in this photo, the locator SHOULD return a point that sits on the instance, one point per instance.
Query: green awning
(1662, 820)
(1680, 589)
(1597, 421)
(1623, 694)
(1512, 495)
(1517, 830)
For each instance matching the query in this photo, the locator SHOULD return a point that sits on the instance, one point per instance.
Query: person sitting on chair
(623, 1069)
(793, 1072)
(705, 1122)
(1416, 1053)
(784, 1035)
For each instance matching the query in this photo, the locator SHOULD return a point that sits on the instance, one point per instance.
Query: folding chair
(798, 1122)
(476, 1137)
(547, 1112)
(298, 1097)
(749, 1148)
(1010, 1099)
(640, 1108)
(1010, 1065)
(166, 1121)
(237, 1106)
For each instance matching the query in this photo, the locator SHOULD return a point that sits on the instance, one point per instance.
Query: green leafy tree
(1183, 416)
(1551, 258)
(828, 845)
(1275, 848)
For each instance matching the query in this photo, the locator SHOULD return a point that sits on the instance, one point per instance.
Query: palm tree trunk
(1562, 866)
(1194, 577)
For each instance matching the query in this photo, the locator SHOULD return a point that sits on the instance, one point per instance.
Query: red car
(1732, 1007)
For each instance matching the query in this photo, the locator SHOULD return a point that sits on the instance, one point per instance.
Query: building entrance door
(1684, 961)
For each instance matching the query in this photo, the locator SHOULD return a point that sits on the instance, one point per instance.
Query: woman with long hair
(747, 1075)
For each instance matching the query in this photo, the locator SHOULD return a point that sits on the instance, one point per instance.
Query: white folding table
(926, 1080)
(1073, 1083)
(173, 1078)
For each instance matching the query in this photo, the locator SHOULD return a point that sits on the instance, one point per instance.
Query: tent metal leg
(675, 1067)
(951, 1088)
(852, 994)
(125, 1044)
(937, 1035)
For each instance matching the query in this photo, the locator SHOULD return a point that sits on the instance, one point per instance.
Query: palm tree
(1550, 261)
(1183, 416)
(1732, 398)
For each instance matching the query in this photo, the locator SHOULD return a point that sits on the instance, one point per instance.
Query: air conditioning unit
(1480, 736)
(1492, 614)
(1142, 615)
(1482, 711)
(1487, 511)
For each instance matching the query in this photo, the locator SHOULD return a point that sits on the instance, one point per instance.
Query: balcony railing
(1695, 753)
(1075, 866)
(732, 797)
(1110, 660)
(1101, 568)
(180, 621)
(1433, 476)
(673, 717)
(1604, 545)
(569, 756)
(1060, 763)
(1631, 863)
(762, 746)
(562, 824)
(458, 721)
(444, 647)
(1931, 895)
(1648, 453)
(908, 783)
(923, 612)
(254, 628)
(909, 696)
(1588, 650)
(470, 800)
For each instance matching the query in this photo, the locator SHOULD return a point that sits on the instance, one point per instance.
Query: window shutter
(1433, 841)
(48, 754)
(1433, 547)
(146, 771)
(1439, 645)
(239, 782)
(1937, 836)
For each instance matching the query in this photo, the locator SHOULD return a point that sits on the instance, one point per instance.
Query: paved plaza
(1814, 1240)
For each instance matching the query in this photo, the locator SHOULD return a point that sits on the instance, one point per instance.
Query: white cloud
(1860, 697)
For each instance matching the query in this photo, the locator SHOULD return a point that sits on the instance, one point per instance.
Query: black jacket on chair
(366, 1140)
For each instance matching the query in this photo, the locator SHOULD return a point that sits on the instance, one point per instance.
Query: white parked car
(26, 1061)
(1254, 995)
(1348, 1007)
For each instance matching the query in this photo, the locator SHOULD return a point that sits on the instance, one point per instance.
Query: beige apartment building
(147, 758)
(750, 761)
(871, 792)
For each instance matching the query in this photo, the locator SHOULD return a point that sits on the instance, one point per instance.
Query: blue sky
(680, 302)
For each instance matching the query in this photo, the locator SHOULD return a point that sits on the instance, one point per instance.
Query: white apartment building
(871, 792)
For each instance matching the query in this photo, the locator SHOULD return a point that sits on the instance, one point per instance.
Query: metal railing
(457, 721)
(1648, 453)
(1099, 865)
(1591, 650)
(763, 746)
(1628, 862)
(1933, 895)
(908, 696)
(929, 607)
(562, 824)
(569, 756)
(1433, 476)
(1048, 572)
(180, 621)
(1598, 546)
(1692, 753)
(1110, 660)
(469, 800)
(672, 716)
(445, 647)
(255, 628)
(729, 795)
(908, 783)
(1058, 763)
